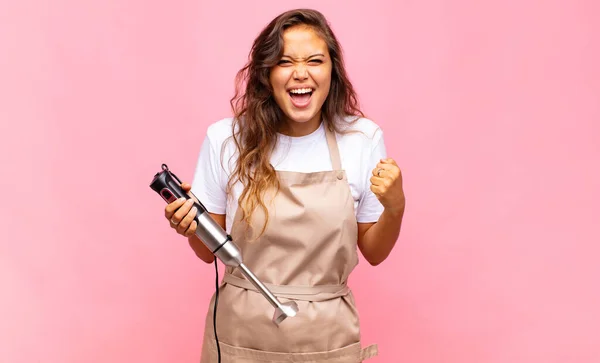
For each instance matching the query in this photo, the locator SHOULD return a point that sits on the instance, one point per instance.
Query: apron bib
(306, 254)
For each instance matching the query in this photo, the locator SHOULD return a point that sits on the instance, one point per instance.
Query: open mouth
(301, 96)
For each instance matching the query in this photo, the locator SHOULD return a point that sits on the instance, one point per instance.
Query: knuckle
(178, 215)
(188, 219)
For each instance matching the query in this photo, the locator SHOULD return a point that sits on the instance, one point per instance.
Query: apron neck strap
(334, 152)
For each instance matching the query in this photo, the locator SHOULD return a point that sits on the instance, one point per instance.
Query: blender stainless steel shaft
(218, 241)
(282, 310)
(223, 247)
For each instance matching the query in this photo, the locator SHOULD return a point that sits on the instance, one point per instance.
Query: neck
(297, 129)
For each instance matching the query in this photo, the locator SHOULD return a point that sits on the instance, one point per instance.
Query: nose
(300, 72)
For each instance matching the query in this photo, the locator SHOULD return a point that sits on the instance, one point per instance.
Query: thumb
(186, 187)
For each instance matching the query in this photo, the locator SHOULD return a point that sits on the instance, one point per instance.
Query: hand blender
(217, 240)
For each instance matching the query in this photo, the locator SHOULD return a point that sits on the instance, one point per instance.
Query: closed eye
(312, 61)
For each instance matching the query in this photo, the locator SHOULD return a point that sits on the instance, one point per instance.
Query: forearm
(200, 249)
(379, 240)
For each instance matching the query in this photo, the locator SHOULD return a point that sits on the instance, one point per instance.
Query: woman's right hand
(180, 214)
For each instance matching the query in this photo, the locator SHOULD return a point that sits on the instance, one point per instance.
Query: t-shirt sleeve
(208, 183)
(369, 208)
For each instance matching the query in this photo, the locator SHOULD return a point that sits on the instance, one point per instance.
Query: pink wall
(490, 108)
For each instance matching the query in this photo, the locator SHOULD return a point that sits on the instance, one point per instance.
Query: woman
(299, 178)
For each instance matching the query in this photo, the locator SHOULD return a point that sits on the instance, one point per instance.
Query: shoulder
(219, 135)
(360, 129)
(220, 130)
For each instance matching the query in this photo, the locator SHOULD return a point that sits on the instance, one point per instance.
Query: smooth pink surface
(490, 108)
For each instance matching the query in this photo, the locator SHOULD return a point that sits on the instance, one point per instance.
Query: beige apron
(307, 252)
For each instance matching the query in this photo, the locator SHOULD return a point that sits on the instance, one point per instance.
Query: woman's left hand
(386, 184)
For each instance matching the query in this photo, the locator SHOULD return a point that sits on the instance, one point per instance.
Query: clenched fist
(386, 184)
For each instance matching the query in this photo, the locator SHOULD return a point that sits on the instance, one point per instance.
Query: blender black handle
(168, 186)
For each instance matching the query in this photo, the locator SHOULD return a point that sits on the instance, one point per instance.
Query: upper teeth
(301, 90)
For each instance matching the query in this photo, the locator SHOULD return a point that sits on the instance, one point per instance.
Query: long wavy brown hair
(257, 117)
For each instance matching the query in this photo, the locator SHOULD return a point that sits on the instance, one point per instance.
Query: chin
(300, 117)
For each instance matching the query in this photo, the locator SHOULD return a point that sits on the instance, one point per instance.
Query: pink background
(491, 108)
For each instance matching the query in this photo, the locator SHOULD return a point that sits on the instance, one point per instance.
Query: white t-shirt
(359, 153)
